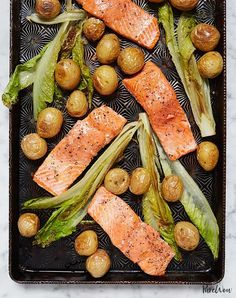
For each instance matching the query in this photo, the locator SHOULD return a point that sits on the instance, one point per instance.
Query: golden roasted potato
(67, 74)
(98, 264)
(108, 49)
(186, 235)
(210, 65)
(131, 60)
(47, 9)
(140, 181)
(184, 5)
(86, 243)
(33, 146)
(77, 104)
(93, 29)
(172, 188)
(49, 122)
(105, 80)
(207, 155)
(117, 181)
(205, 37)
(28, 224)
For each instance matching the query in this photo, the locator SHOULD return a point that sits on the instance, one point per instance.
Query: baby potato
(210, 65)
(205, 37)
(86, 243)
(140, 181)
(108, 49)
(47, 9)
(77, 104)
(131, 60)
(67, 74)
(172, 188)
(186, 235)
(207, 155)
(28, 224)
(117, 181)
(184, 5)
(93, 29)
(105, 80)
(49, 122)
(33, 146)
(98, 264)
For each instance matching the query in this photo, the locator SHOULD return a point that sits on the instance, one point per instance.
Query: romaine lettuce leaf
(182, 53)
(78, 57)
(43, 89)
(193, 200)
(22, 77)
(73, 15)
(156, 211)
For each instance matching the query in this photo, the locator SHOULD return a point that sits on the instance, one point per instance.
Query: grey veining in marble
(10, 289)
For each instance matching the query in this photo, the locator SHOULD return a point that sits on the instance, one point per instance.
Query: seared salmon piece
(126, 18)
(137, 241)
(169, 121)
(75, 151)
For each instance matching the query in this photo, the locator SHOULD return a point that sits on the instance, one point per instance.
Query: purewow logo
(217, 289)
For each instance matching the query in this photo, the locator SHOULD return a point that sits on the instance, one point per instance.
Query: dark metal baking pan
(59, 263)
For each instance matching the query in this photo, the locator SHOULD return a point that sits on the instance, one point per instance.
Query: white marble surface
(10, 289)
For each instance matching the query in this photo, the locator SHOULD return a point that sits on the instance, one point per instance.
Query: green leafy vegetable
(155, 210)
(78, 57)
(182, 52)
(74, 202)
(22, 77)
(193, 200)
(69, 5)
(69, 42)
(67, 16)
(43, 89)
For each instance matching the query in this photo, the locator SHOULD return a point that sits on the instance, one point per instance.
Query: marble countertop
(10, 289)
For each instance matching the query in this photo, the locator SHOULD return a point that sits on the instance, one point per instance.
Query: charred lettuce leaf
(193, 201)
(78, 57)
(156, 211)
(182, 53)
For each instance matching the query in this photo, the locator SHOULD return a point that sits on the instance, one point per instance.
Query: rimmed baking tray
(59, 263)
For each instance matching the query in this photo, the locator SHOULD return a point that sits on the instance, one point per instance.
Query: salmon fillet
(126, 18)
(76, 150)
(169, 121)
(138, 241)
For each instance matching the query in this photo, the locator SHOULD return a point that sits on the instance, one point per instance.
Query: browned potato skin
(67, 74)
(184, 5)
(186, 235)
(108, 49)
(131, 60)
(98, 264)
(105, 80)
(28, 225)
(77, 104)
(49, 122)
(205, 37)
(117, 181)
(140, 181)
(93, 29)
(47, 9)
(86, 243)
(210, 65)
(33, 146)
(207, 155)
(172, 188)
